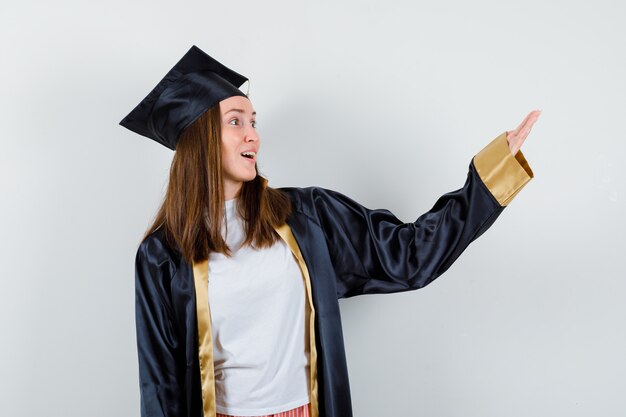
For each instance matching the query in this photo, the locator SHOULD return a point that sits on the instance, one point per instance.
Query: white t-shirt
(257, 300)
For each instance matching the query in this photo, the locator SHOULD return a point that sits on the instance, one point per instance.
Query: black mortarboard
(195, 84)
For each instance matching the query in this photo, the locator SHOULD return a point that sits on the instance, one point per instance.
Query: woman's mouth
(249, 155)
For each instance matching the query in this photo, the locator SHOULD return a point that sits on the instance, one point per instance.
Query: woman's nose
(251, 134)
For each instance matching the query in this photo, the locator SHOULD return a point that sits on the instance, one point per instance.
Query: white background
(386, 102)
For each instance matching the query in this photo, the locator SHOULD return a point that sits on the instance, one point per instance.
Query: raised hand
(517, 137)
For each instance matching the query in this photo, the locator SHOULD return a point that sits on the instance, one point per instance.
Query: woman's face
(240, 144)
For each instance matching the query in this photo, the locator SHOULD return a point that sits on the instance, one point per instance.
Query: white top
(260, 340)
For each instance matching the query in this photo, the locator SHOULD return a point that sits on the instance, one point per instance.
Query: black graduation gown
(344, 249)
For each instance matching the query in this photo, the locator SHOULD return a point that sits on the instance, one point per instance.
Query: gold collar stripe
(285, 233)
(205, 343)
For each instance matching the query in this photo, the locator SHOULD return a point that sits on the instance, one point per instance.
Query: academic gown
(343, 249)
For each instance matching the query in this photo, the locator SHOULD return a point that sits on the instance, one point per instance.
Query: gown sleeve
(374, 252)
(158, 347)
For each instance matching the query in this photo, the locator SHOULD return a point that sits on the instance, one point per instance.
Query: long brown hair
(193, 207)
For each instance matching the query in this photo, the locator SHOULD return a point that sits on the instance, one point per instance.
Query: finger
(529, 124)
(521, 125)
(531, 117)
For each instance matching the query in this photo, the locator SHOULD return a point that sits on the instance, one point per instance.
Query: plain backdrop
(386, 102)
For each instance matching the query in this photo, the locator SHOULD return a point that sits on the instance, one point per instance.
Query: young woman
(237, 283)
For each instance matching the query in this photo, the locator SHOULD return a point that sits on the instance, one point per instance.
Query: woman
(262, 335)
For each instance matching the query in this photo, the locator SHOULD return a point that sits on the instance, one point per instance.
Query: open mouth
(249, 155)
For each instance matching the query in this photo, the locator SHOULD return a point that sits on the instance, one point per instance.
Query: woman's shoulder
(312, 201)
(301, 197)
(155, 247)
(298, 194)
(311, 194)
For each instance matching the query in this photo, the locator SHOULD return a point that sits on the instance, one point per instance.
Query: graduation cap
(195, 84)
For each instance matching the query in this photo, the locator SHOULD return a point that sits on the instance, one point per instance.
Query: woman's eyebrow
(239, 111)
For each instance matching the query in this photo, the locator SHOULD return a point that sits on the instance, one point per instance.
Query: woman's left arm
(373, 252)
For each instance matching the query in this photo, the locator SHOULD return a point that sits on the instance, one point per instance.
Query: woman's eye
(235, 122)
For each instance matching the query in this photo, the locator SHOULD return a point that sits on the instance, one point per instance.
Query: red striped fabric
(302, 411)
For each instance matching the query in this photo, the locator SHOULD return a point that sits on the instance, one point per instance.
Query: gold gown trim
(504, 174)
(285, 233)
(205, 342)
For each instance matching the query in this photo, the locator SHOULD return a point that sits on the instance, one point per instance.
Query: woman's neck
(231, 189)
